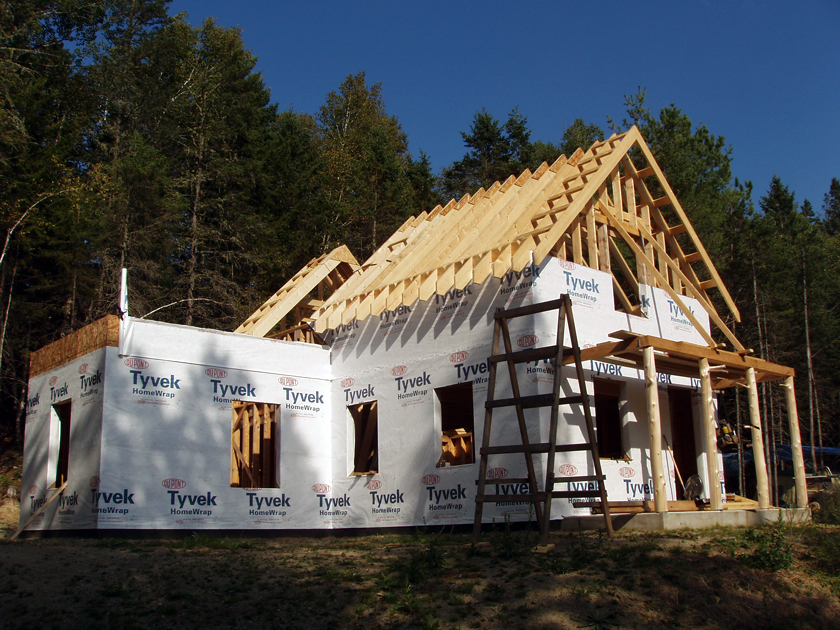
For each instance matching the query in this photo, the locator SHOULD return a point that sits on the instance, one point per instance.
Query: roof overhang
(681, 358)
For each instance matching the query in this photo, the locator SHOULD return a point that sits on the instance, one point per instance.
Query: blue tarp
(783, 454)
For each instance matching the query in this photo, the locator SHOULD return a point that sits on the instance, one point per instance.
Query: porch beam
(796, 446)
(715, 498)
(762, 483)
(660, 499)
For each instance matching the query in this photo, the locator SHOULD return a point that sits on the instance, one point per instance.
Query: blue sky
(764, 74)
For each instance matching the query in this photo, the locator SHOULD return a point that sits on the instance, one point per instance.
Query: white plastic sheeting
(151, 447)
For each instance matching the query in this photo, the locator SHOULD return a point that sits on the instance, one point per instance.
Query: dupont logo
(33, 489)
(347, 382)
(83, 368)
(566, 264)
(459, 357)
(626, 472)
(136, 363)
(216, 372)
(288, 381)
(497, 473)
(567, 470)
(526, 341)
(53, 381)
(321, 488)
(430, 480)
(174, 484)
(373, 484)
(94, 481)
(399, 370)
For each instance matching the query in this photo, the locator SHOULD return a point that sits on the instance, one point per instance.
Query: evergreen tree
(220, 121)
(579, 135)
(831, 208)
(367, 188)
(495, 151)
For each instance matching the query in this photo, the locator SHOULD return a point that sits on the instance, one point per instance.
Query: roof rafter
(579, 208)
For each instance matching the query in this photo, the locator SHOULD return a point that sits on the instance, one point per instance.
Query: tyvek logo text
(447, 499)
(511, 280)
(163, 382)
(410, 387)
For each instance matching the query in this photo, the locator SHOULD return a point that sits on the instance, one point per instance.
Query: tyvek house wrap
(165, 414)
(81, 382)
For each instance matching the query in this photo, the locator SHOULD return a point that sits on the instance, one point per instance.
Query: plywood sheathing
(101, 333)
(579, 208)
(324, 274)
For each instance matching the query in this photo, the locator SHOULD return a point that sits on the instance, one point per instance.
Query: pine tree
(831, 208)
(220, 119)
(367, 189)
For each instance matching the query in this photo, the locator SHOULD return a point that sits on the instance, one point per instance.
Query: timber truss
(300, 297)
(609, 208)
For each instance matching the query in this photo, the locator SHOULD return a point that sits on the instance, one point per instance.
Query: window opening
(254, 443)
(62, 414)
(366, 444)
(683, 444)
(608, 419)
(457, 424)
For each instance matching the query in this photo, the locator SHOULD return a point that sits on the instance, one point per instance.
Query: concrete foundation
(652, 521)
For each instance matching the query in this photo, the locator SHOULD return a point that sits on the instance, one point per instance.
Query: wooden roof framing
(681, 358)
(321, 276)
(588, 208)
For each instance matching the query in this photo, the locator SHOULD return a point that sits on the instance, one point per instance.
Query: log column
(762, 484)
(715, 499)
(660, 498)
(796, 446)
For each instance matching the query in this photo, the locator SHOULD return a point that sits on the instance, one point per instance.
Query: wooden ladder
(540, 499)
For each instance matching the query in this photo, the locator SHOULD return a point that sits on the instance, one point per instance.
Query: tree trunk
(762, 387)
(6, 316)
(192, 261)
(810, 362)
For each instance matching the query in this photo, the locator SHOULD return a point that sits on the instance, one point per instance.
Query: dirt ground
(689, 579)
(775, 577)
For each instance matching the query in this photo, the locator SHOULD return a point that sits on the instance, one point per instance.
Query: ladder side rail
(590, 428)
(554, 419)
(520, 418)
(485, 439)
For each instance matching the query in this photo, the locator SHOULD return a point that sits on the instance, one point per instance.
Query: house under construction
(540, 349)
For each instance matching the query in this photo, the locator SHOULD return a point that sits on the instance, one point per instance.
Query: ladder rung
(571, 448)
(531, 309)
(575, 494)
(494, 482)
(510, 498)
(581, 478)
(533, 448)
(531, 354)
(529, 402)
(612, 504)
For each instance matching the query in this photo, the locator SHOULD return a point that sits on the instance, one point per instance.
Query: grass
(775, 576)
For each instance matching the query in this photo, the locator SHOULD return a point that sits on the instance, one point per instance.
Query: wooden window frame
(457, 425)
(364, 419)
(254, 445)
(608, 399)
(62, 412)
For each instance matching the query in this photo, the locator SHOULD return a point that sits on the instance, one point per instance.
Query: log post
(715, 499)
(660, 499)
(762, 484)
(796, 446)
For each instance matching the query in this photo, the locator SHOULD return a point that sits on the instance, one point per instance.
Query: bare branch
(179, 302)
